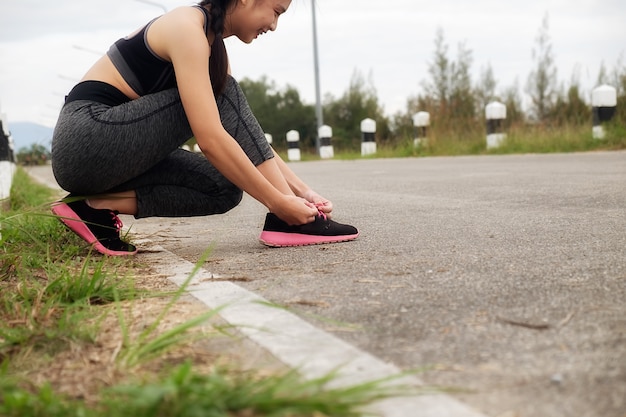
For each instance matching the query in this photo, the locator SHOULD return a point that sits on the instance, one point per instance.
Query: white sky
(45, 45)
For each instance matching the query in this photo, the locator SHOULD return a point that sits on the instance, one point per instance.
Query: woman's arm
(300, 188)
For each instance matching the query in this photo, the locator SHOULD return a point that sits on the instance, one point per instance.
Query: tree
(439, 69)
(541, 85)
(279, 111)
(603, 75)
(513, 102)
(36, 154)
(461, 100)
(570, 108)
(449, 96)
(485, 91)
(618, 75)
(345, 114)
(402, 121)
(618, 80)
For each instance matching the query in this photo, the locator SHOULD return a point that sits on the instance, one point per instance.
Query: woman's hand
(322, 204)
(295, 210)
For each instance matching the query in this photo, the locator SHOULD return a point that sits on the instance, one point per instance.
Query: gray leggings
(97, 148)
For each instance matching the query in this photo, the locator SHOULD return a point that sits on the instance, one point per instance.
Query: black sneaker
(277, 233)
(100, 228)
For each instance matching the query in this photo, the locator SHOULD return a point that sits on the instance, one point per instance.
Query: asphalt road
(504, 276)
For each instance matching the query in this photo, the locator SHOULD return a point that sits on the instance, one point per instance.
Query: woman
(116, 144)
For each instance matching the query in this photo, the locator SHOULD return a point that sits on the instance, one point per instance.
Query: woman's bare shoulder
(181, 15)
(176, 28)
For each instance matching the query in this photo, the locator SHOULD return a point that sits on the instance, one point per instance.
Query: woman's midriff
(104, 70)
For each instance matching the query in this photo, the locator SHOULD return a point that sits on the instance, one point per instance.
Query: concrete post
(7, 162)
(269, 138)
(604, 102)
(293, 143)
(325, 134)
(421, 121)
(495, 113)
(368, 132)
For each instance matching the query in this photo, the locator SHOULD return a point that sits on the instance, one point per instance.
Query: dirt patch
(84, 369)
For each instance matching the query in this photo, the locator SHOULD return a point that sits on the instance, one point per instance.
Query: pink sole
(280, 239)
(73, 222)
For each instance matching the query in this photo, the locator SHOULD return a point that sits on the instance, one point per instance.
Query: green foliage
(570, 109)
(485, 91)
(279, 111)
(36, 154)
(619, 82)
(542, 139)
(449, 93)
(43, 402)
(45, 288)
(223, 393)
(345, 114)
(615, 134)
(149, 344)
(25, 194)
(541, 85)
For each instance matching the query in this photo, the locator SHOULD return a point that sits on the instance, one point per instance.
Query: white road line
(296, 342)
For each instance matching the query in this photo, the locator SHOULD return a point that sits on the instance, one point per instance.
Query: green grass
(561, 140)
(48, 278)
(443, 141)
(57, 300)
(222, 392)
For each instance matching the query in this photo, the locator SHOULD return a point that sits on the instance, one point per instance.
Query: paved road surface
(504, 275)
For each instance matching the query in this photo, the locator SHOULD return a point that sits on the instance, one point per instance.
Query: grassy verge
(90, 336)
(519, 139)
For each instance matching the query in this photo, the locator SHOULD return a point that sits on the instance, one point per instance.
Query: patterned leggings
(99, 148)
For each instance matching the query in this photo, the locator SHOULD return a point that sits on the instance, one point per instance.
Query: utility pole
(318, 100)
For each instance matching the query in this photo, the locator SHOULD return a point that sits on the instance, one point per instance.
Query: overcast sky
(45, 46)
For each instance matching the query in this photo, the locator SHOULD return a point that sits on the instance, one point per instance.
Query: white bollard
(186, 148)
(269, 138)
(325, 133)
(196, 148)
(495, 113)
(12, 153)
(7, 170)
(421, 121)
(7, 147)
(368, 131)
(293, 143)
(604, 102)
(7, 163)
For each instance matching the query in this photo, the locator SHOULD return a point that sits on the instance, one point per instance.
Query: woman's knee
(230, 201)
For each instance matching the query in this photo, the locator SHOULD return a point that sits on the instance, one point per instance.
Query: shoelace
(320, 212)
(117, 222)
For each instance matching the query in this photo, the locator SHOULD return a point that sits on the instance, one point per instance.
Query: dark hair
(218, 63)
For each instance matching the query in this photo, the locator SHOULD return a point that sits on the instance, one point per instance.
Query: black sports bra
(143, 70)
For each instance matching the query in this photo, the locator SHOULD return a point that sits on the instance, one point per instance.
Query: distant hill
(26, 134)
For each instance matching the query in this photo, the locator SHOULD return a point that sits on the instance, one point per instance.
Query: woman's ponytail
(218, 63)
